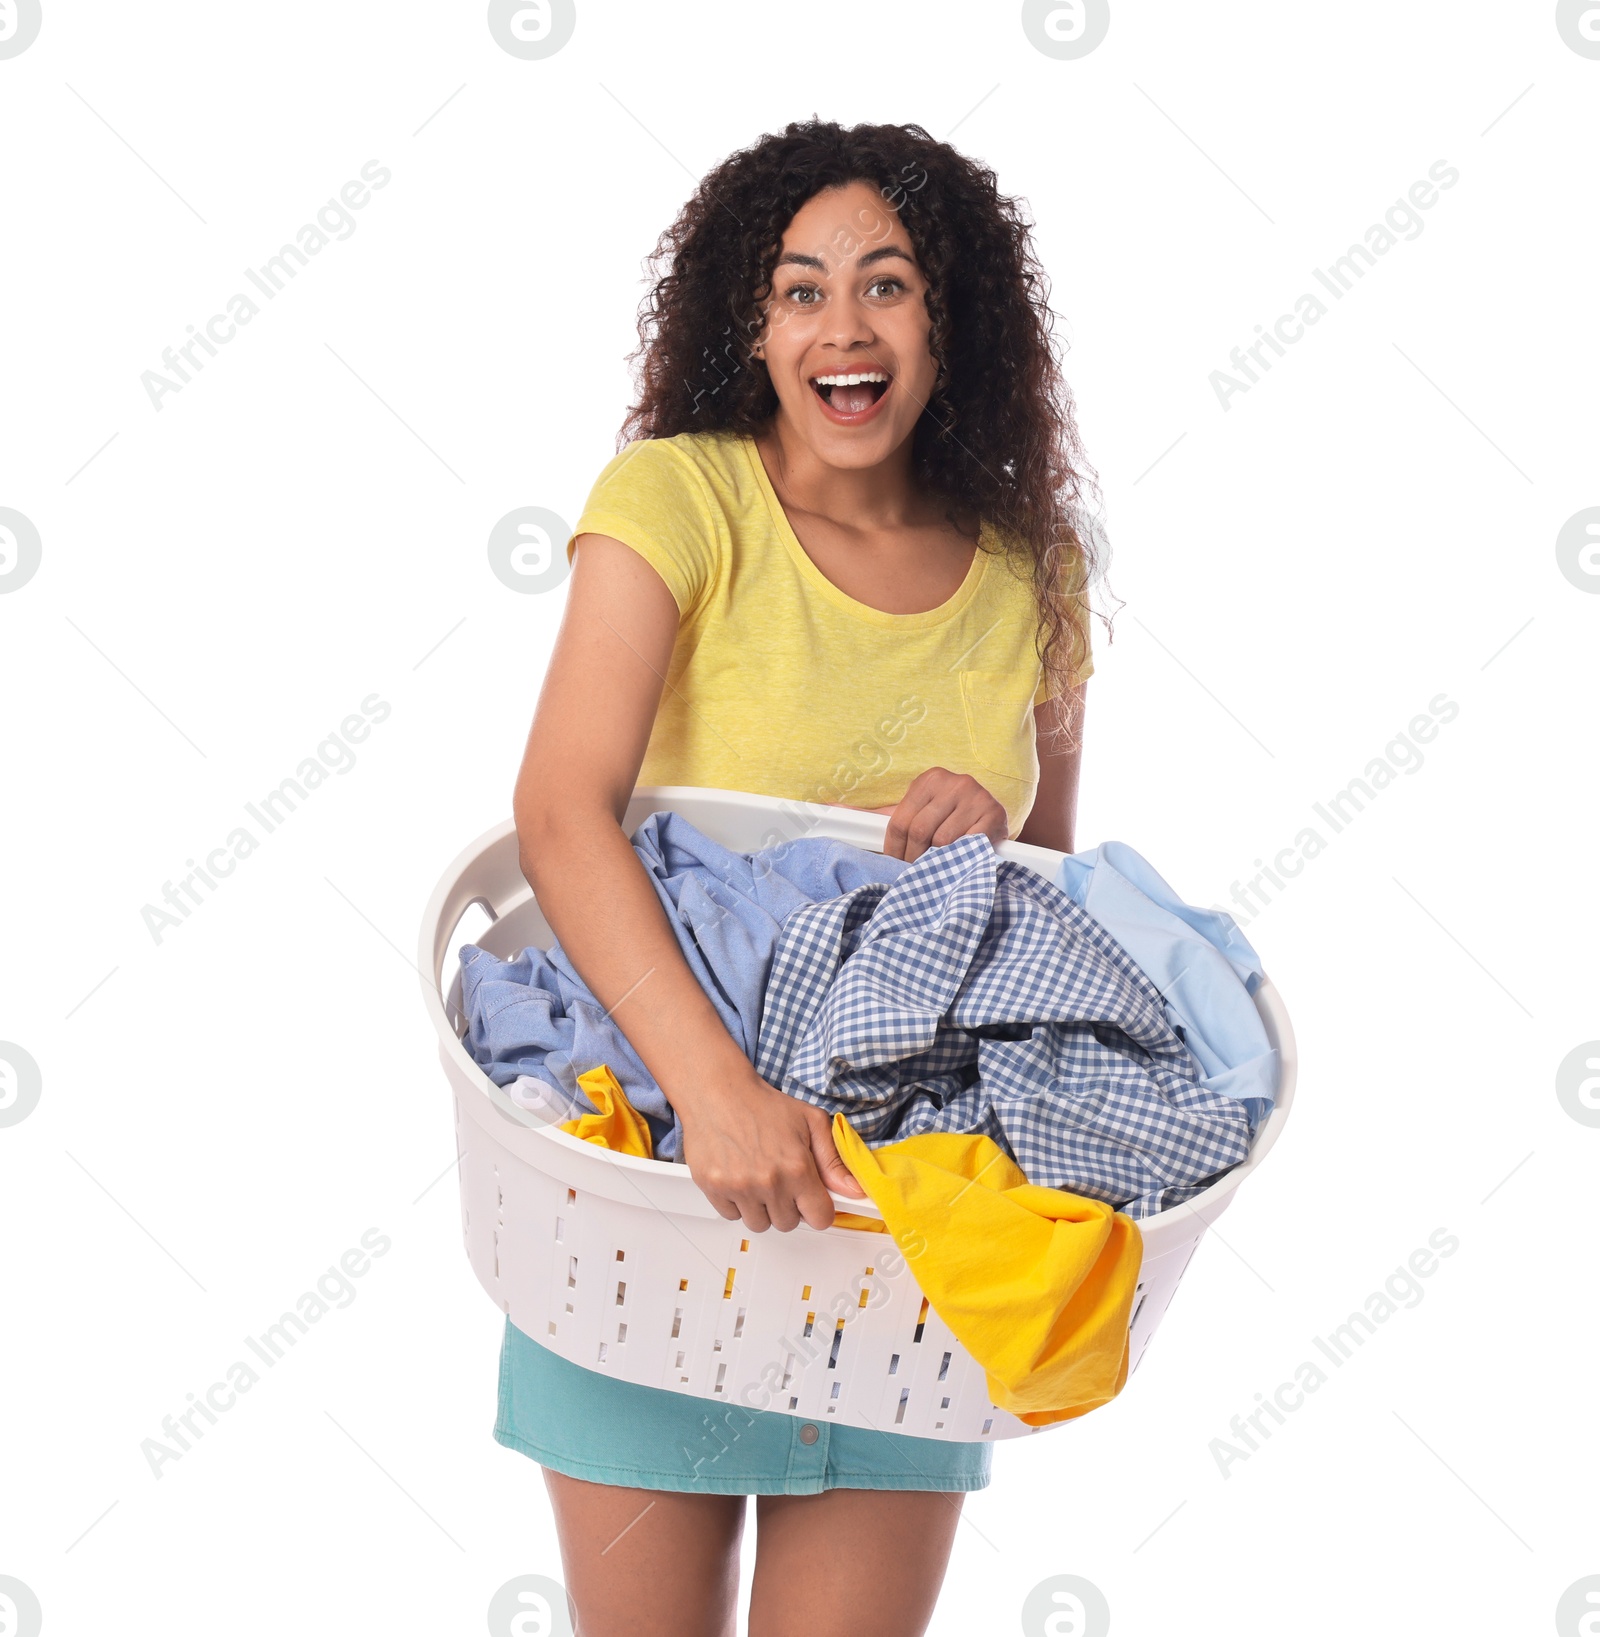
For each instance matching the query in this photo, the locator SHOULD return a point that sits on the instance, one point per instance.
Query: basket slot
(738, 1324)
(922, 1319)
(602, 1352)
(811, 1320)
(894, 1363)
(561, 1230)
(722, 1370)
(944, 1370)
(622, 1292)
(572, 1270)
(677, 1329)
(833, 1352)
(987, 1424)
(622, 1332)
(900, 1408)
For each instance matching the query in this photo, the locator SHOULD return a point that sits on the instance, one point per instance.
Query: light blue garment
(727, 907)
(1201, 962)
(533, 1024)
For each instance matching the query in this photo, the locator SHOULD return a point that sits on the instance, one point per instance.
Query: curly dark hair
(997, 437)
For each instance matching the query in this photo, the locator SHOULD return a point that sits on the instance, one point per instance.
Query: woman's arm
(754, 1151)
(1053, 817)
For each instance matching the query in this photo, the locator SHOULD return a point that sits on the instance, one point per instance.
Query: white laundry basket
(620, 1263)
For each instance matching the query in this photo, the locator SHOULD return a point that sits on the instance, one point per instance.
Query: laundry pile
(1097, 1030)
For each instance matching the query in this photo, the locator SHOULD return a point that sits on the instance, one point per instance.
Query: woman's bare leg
(648, 1560)
(850, 1561)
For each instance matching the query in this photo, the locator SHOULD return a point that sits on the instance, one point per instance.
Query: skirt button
(808, 1434)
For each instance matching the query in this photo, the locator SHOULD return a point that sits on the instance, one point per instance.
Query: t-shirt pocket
(1000, 725)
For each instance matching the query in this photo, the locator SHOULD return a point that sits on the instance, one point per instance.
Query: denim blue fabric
(973, 995)
(534, 1026)
(1201, 962)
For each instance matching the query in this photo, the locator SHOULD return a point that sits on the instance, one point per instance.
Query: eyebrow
(796, 259)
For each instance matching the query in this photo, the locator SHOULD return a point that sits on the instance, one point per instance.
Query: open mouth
(851, 394)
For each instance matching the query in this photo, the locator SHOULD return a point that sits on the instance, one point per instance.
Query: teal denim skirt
(589, 1425)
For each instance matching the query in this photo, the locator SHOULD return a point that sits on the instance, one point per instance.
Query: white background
(1373, 524)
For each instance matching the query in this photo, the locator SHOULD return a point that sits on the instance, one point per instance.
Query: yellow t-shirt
(781, 684)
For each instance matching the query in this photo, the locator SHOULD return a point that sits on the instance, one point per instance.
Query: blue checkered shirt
(972, 995)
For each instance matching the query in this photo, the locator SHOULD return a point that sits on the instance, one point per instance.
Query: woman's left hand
(940, 807)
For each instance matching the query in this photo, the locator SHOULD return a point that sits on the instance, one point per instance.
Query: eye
(889, 279)
(795, 291)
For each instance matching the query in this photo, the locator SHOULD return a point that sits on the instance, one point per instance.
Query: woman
(836, 563)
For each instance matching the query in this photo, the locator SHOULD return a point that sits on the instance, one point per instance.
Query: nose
(848, 324)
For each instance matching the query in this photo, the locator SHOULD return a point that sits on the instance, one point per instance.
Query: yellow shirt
(1037, 1284)
(781, 684)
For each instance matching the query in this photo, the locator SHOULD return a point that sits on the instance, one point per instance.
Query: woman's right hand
(761, 1155)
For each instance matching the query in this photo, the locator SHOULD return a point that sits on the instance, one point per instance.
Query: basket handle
(488, 874)
(856, 1207)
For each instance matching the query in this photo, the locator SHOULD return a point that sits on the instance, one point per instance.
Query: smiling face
(846, 334)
